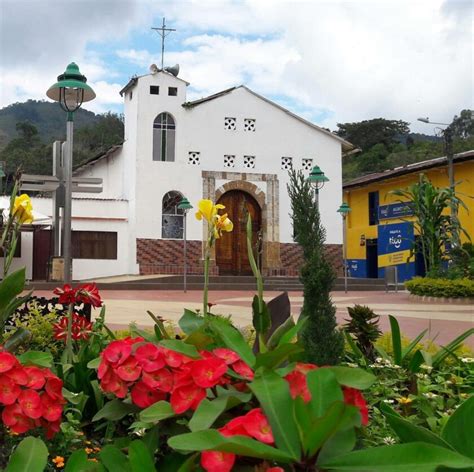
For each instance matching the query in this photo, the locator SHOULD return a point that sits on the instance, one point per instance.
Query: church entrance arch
(231, 248)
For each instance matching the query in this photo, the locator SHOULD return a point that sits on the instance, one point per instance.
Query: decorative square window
(194, 158)
(154, 89)
(307, 164)
(230, 124)
(249, 124)
(286, 163)
(229, 160)
(173, 91)
(249, 162)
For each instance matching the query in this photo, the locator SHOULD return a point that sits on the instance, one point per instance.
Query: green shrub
(459, 288)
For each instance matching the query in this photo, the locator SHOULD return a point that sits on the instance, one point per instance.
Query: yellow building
(379, 232)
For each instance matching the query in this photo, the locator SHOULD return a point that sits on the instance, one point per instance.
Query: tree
(323, 343)
(463, 125)
(368, 133)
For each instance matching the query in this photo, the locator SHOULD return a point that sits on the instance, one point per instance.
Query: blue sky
(329, 61)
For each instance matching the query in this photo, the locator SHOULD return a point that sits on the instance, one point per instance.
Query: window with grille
(164, 129)
(249, 124)
(194, 158)
(307, 164)
(154, 90)
(94, 245)
(229, 160)
(230, 123)
(172, 91)
(286, 163)
(172, 216)
(249, 162)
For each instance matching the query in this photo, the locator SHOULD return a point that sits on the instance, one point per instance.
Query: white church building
(234, 147)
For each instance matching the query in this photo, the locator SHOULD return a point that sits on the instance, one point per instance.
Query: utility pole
(163, 31)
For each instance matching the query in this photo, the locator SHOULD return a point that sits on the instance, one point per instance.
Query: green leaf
(452, 346)
(355, 349)
(115, 410)
(273, 393)
(274, 339)
(273, 359)
(181, 347)
(341, 443)
(135, 331)
(234, 340)
(42, 359)
(416, 361)
(31, 455)
(190, 322)
(459, 429)
(261, 318)
(114, 459)
(353, 377)
(412, 345)
(94, 363)
(325, 390)
(396, 340)
(290, 334)
(212, 440)
(140, 458)
(78, 462)
(157, 412)
(11, 286)
(419, 457)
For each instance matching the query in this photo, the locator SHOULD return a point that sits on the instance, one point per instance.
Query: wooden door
(231, 248)
(42, 241)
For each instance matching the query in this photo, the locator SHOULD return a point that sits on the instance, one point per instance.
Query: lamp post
(344, 210)
(185, 206)
(71, 91)
(317, 179)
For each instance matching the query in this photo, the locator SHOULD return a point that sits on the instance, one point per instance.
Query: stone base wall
(165, 256)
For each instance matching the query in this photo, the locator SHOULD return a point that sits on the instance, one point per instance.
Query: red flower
(149, 357)
(9, 390)
(256, 425)
(297, 381)
(81, 328)
(227, 355)
(207, 372)
(51, 427)
(54, 387)
(353, 396)
(36, 377)
(14, 418)
(161, 379)
(216, 461)
(174, 359)
(243, 370)
(186, 397)
(234, 427)
(7, 361)
(117, 352)
(66, 294)
(18, 375)
(89, 295)
(129, 370)
(112, 383)
(52, 409)
(143, 396)
(30, 403)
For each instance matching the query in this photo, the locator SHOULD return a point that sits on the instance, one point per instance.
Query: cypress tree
(323, 342)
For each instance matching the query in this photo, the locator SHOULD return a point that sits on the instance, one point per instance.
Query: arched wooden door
(231, 248)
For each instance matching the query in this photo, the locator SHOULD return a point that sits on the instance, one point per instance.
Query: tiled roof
(98, 158)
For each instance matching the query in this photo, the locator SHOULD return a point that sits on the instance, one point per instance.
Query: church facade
(236, 148)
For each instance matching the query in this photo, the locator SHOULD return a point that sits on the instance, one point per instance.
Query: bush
(459, 288)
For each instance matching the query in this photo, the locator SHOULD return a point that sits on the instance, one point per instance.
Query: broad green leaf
(140, 458)
(324, 389)
(355, 349)
(94, 363)
(416, 361)
(261, 318)
(31, 455)
(190, 322)
(157, 412)
(275, 338)
(442, 354)
(459, 429)
(114, 459)
(151, 439)
(135, 331)
(273, 393)
(290, 334)
(406, 351)
(353, 377)
(115, 410)
(78, 462)
(396, 340)
(181, 347)
(42, 359)
(341, 443)
(11, 286)
(417, 456)
(212, 440)
(273, 359)
(234, 340)
(302, 415)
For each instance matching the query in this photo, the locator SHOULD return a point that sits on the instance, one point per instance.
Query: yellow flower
(207, 210)
(23, 209)
(404, 400)
(222, 223)
(59, 462)
(89, 450)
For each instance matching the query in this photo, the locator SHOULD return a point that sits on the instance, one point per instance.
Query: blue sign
(395, 210)
(357, 268)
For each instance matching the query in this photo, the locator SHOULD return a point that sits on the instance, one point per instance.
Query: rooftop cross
(163, 31)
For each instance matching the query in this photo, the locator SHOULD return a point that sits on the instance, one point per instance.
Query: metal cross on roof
(163, 32)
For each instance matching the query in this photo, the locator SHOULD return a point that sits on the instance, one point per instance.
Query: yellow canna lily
(222, 223)
(23, 209)
(207, 210)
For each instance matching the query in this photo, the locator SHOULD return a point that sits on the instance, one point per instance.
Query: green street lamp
(185, 206)
(71, 91)
(317, 179)
(344, 210)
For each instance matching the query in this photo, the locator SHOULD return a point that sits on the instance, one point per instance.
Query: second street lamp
(344, 210)
(317, 179)
(71, 91)
(185, 206)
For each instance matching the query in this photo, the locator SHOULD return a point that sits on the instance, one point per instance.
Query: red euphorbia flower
(207, 372)
(36, 377)
(7, 361)
(129, 370)
(216, 461)
(112, 383)
(51, 427)
(353, 396)
(117, 352)
(161, 379)
(150, 357)
(186, 397)
(227, 355)
(143, 396)
(174, 359)
(30, 403)
(52, 409)
(18, 375)
(54, 387)
(66, 294)
(89, 294)
(9, 390)
(243, 369)
(256, 425)
(297, 381)
(16, 420)
(234, 427)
